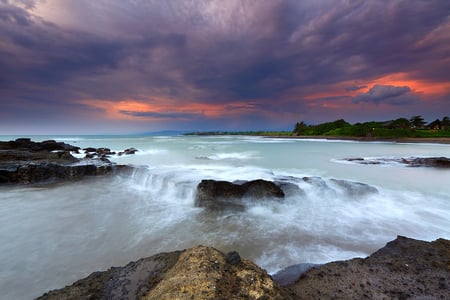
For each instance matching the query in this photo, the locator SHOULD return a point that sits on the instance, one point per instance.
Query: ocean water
(51, 236)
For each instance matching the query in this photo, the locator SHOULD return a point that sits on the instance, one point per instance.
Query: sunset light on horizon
(117, 67)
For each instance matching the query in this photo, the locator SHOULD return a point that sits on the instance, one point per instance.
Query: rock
(355, 189)
(27, 144)
(316, 181)
(405, 268)
(197, 273)
(233, 258)
(128, 151)
(89, 150)
(290, 189)
(221, 195)
(97, 152)
(433, 162)
(289, 275)
(24, 161)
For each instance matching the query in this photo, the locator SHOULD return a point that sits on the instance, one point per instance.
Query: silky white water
(52, 235)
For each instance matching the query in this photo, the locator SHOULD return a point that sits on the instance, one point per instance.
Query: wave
(231, 156)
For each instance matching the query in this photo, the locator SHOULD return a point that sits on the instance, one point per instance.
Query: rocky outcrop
(222, 195)
(404, 269)
(106, 152)
(354, 189)
(24, 161)
(432, 162)
(196, 273)
(128, 151)
(436, 162)
(28, 144)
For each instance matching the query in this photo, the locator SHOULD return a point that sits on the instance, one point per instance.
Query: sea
(52, 235)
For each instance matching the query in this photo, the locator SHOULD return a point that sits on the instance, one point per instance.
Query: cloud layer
(144, 65)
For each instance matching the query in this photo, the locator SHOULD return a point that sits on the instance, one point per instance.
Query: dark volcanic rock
(404, 269)
(28, 144)
(436, 162)
(289, 275)
(433, 162)
(128, 151)
(24, 161)
(221, 195)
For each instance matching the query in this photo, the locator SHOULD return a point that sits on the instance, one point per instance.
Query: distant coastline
(432, 140)
(401, 130)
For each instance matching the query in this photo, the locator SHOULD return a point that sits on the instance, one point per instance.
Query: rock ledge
(404, 269)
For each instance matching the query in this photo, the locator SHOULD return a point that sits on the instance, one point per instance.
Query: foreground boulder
(221, 195)
(197, 273)
(23, 161)
(404, 269)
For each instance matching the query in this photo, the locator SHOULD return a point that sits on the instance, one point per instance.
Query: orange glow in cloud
(417, 86)
(161, 106)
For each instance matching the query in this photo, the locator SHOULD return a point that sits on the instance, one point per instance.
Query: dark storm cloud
(264, 52)
(163, 115)
(355, 88)
(394, 95)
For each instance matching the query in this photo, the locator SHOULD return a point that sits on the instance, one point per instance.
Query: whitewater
(53, 235)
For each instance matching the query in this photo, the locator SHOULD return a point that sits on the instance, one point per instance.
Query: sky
(131, 66)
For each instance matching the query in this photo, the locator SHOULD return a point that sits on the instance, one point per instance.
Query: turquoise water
(51, 236)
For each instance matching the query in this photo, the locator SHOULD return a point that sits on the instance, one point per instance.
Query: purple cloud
(162, 115)
(355, 88)
(388, 94)
(269, 53)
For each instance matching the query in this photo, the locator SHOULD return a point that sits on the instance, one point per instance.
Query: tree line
(416, 126)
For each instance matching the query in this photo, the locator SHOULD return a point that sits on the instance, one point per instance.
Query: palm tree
(401, 123)
(445, 123)
(300, 128)
(417, 122)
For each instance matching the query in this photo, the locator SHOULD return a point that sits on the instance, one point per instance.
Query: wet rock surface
(222, 195)
(23, 161)
(431, 162)
(404, 269)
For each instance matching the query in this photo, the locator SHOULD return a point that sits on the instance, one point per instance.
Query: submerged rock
(355, 189)
(432, 162)
(436, 162)
(221, 195)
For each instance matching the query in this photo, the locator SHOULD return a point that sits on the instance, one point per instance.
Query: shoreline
(437, 140)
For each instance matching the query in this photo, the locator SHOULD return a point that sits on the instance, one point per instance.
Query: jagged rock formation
(225, 195)
(197, 273)
(404, 269)
(220, 195)
(24, 161)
